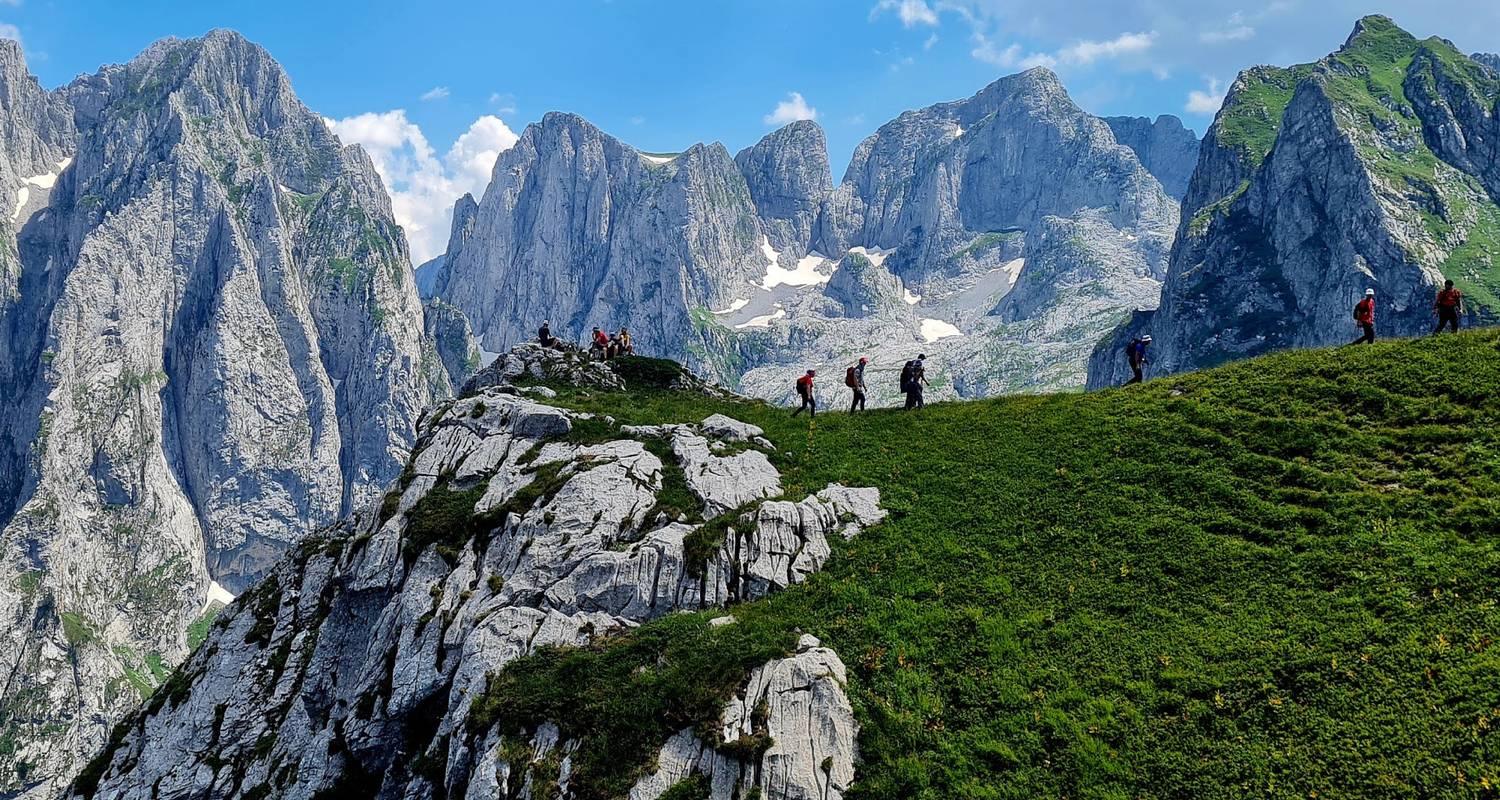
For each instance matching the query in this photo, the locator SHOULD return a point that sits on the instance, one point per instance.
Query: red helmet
(864, 360)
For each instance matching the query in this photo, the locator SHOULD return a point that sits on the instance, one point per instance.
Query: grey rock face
(863, 289)
(582, 230)
(448, 330)
(930, 182)
(36, 141)
(1490, 60)
(1296, 209)
(788, 176)
(214, 347)
(807, 717)
(1166, 148)
(371, 636)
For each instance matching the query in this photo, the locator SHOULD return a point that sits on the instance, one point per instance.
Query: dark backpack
(908, 375)
(850, 379)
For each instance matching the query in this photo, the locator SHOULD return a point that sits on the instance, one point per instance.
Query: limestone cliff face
(931, 183)
(1373, 168)
(1166, 148)
(788, 176)
(583, 230)
(36, 142)
(213, 346)
(364, 665)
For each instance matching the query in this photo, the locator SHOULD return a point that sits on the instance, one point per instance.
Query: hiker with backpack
(544, 336)
(1135, 352)
(854, 378)
(913, 376)
(1364, 317)
(1449, 304)
(805, 391)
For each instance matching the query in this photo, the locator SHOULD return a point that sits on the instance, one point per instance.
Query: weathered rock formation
(366, 663)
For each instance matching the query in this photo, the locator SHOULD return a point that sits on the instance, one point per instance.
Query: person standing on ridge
(805, 391)
(1364, 317)
(913, 376)
(1449, 304)
(1136, 353)
(854, 378)
(544, 336)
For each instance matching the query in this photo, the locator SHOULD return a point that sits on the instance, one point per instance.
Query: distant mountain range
(755, 267)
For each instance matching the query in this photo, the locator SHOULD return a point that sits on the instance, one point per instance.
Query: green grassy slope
(1273, 579)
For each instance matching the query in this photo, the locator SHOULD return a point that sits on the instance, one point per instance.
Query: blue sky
(663, 74)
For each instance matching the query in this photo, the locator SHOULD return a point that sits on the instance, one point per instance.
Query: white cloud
(9, 31)
(1079, 54)
(1236, 34)
(911, 12)
(931, 40)
(435, 93)
(423, 186)
(1087, 52)
(1205, 102)
(1234, 30)
(503, 103)
(790, 110)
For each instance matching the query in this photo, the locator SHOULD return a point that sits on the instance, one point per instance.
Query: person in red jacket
(1364, 317)
(805, 391)
(1449, 304)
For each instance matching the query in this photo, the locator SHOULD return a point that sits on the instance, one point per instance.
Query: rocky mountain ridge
(1372, 168)
(212, 346)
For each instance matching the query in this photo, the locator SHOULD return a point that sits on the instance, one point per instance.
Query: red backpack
(850, 380)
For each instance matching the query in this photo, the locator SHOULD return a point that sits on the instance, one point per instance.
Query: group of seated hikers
(602, 346)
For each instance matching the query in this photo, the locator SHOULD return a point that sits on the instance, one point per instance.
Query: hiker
(1449, 304)
(544, 336)
(613, 348)
(805, 391)
(854, 378)
(913, 376)
(626, 348)
(600, 342)
(1136, 352)
(1364, 317)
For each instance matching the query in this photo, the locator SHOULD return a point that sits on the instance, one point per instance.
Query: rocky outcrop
(863, 289)
(1373, 168)
(1490, 60)
(1166, 148)
(788, 176)
(214, 347)
(448, 330)
(367, 661)
(36, 145)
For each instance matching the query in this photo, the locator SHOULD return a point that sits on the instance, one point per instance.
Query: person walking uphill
(1364, 317)
(805, 391)
(1448, 305)
(854, 378)
(1136, 353)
